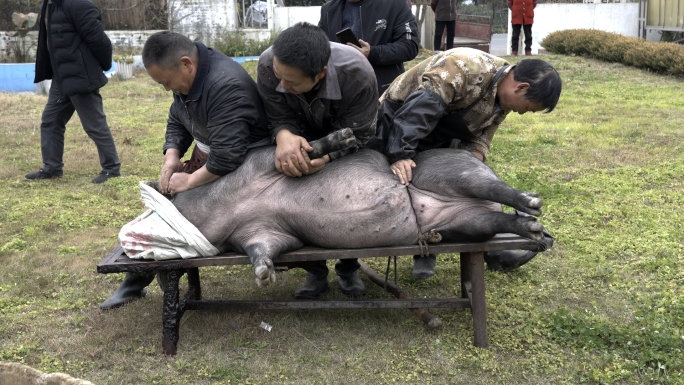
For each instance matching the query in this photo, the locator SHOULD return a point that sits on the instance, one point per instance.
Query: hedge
(660, 57)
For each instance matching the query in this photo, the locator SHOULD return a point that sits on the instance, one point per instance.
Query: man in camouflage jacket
(461, 94)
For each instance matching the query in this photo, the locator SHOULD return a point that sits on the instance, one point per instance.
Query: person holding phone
(310, 88)
(386, 31)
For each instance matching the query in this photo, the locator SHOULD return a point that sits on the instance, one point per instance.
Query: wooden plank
(114, 263)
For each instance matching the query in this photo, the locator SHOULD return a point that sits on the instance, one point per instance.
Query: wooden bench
(473, 31)
(472, 282)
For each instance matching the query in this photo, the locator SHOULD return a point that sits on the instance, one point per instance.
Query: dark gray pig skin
(354, 202)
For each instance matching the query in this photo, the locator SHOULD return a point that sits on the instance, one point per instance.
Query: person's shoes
(40, 175)
(424, 267)
(132, 288)
(507, 260)
(351, 284)
(528, 53)
(313, 286)
(104, 176)
(514, 53)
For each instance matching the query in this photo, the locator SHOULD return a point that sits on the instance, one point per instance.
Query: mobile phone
(347, 36)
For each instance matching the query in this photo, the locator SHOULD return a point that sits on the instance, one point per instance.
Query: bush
(235, 44)
(659, 57)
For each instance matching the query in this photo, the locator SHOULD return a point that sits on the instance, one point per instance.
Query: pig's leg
(458, 173)
(480, 225)
(334, 141)
(262, 252)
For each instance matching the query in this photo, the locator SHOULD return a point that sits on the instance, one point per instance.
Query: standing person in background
(386, 29)
(522, 16)
(445, 17)
(73, 50)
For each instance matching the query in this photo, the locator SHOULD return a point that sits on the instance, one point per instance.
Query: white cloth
(203, 147)
(162, 232)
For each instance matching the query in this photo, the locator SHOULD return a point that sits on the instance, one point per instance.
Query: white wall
(202, 20)
(134, 40)
(120, 39)
(621, 18)
(284, 17)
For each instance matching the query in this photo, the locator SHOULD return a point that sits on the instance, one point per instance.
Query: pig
(355, 202)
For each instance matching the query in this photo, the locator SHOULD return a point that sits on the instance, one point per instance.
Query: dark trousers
(450, 32)
(515, 38)
(57, 113)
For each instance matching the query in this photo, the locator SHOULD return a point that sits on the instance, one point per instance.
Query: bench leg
(172, 312)
(465, 275)
(477, 300)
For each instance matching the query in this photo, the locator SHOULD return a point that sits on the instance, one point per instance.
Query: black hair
(545, 83)
(303, 46)
(164, 49)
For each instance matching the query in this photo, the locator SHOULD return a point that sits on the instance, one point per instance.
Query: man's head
(532, 85)
(301, 55)
(171, 59)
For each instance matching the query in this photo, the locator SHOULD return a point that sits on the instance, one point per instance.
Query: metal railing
(252, 14)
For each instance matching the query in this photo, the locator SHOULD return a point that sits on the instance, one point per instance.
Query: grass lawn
(605, 305)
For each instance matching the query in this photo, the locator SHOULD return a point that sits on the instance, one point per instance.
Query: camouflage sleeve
(446, 79)
(482, 142)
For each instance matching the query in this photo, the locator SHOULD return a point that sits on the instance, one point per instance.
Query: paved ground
(499, 44)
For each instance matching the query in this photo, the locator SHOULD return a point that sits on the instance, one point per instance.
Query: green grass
(604, 306)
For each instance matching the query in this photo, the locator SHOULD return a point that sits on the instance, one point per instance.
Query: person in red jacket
(522, 16)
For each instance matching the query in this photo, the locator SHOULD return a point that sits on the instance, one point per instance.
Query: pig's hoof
(531, 204)
(532, 228)
(264, 272)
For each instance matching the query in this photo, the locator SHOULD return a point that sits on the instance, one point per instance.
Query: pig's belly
(358, 218)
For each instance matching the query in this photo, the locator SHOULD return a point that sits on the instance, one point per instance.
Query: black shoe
(132, 288)
(313, 286)
(351, 284)
(104, 176)
(507, 260)
(424, 267)
(40, 175)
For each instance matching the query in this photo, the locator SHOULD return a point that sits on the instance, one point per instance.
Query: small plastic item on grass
(266, 326)
(233, 324)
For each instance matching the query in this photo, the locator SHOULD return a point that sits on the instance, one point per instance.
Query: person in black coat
(445, 18)
(217, 105)
(73, 50)
(386, 29)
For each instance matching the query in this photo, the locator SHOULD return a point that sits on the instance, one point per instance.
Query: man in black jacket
(386, 29)
(73, 50)
(215, 104)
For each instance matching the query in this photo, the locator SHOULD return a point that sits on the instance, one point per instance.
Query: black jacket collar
(202, 72)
